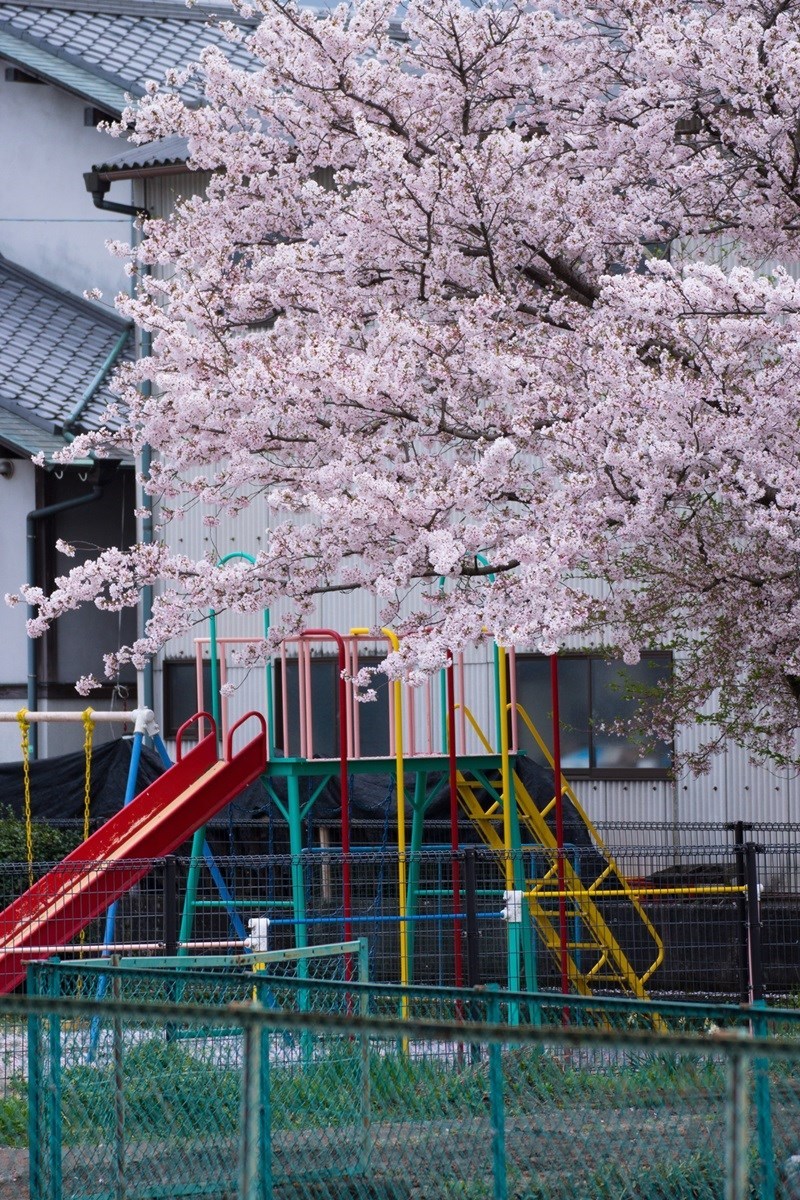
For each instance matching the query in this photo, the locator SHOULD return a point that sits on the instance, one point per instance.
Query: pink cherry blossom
(423, 321)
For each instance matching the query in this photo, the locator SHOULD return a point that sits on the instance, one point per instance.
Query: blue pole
(111, 915)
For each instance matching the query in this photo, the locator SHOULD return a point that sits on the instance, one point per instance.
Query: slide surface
(58, 906)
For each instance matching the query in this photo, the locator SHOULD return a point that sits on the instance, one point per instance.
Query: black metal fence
(727, 929)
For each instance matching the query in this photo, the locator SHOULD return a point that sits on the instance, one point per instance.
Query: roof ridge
(201, 10)
(96, 311)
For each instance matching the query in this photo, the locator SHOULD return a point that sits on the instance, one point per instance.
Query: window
(180, 695)
(373, 717)
(593, 693)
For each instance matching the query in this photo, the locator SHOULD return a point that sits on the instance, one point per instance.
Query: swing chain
(88, 730)
(25, 729)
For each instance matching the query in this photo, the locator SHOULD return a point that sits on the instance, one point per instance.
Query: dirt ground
(13, 1174)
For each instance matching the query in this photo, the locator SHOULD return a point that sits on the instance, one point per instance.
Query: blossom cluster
(498, 295)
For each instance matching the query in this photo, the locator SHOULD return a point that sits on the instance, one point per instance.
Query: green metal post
(365, 1083)
(766, 1147)
(417, 828)
(298, 898)
(736, 1139)
(120, 1188)
(54, 1091)
(35, 1093)
(192, 880)
(527, 932)
(363, 971)
(296, 851)
(265, 1118)
(251, 1115)
(496, 1105)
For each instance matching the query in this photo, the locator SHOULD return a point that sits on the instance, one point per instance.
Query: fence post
(763, 1101)
(471, 898)
(737, 1127)
(755, 959)
(251, 1110)
(120, 1188)
(54, 1087)
(496, 1101)
(169, 901)
(35, 1091)
(739, 828)
(265, 1117)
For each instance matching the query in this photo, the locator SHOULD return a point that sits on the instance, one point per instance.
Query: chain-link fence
(696, 906)
(219, 1096)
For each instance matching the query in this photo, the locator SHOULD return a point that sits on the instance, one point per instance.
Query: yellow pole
(505, 766)
(392, 638)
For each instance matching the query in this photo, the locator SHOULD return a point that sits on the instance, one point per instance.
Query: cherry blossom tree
(496, 294)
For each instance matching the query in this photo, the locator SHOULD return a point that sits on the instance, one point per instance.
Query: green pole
(417, 826)
(496, 1105)
(54, 1091)
(198, 841)
(766, 1148)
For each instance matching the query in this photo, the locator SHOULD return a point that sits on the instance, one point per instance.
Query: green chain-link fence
(237, 1083)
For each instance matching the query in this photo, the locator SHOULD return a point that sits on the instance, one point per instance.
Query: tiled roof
(54, 351)
(167, 152)
(101, 49)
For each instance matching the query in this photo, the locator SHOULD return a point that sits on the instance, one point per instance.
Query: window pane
(618, 691)
(180, 695)
(533, 693)
(373, 718)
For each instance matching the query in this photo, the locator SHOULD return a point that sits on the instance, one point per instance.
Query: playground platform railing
(240, 1100)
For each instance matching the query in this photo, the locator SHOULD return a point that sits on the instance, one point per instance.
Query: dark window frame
(171, 722)
(329, 661)
(621, 774)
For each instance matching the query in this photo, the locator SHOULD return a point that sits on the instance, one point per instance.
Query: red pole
(344, 789)
(562, 900)
(458, 961)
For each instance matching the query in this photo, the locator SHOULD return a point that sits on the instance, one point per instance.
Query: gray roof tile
(119, 43)
(52, 347)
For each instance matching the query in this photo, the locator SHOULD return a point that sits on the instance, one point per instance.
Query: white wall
(48, 222)
(17, 497)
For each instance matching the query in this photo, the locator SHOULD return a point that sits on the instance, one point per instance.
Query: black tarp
(57, 784)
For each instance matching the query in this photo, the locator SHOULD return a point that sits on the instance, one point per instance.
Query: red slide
(120, 853)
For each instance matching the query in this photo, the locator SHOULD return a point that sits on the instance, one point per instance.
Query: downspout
(98, 189)
(39, 514)
(94, 386)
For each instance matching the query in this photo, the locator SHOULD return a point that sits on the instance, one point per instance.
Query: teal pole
(417, 827)
(198, 841)
(496, 1105)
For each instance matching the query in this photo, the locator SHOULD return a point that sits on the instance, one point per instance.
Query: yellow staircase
(612, 945)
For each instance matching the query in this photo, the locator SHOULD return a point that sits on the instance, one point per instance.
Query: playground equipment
(106, 865)
(586, 915)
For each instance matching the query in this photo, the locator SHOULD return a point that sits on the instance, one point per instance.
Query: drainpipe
(98, 189)
(98, 380)
(36, 515)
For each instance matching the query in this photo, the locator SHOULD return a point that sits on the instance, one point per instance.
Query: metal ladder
(595, 958)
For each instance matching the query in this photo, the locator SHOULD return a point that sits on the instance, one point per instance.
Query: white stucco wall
(17, 497)
(48, 222)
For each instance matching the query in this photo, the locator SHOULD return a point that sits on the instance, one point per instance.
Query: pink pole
(512, 689)
(347, 899)
(284, 701)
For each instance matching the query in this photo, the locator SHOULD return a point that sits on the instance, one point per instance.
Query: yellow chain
(88, 730)
(25, 728)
